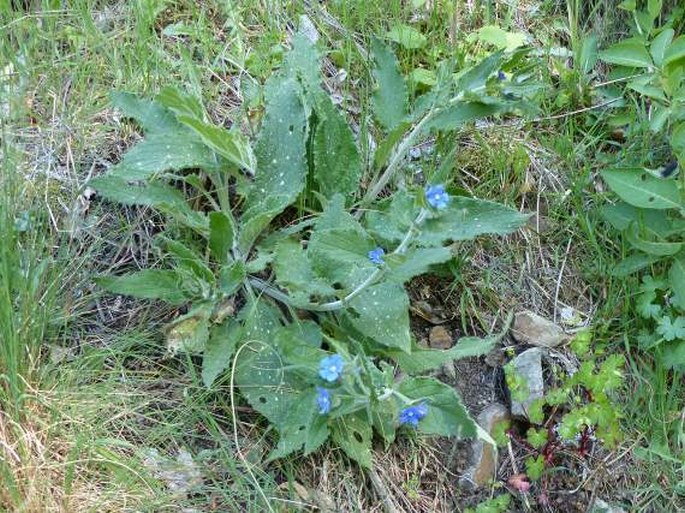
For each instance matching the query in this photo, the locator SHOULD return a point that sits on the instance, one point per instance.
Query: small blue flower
(331, 367)
(323, 399)
(376, 256)
(501, 76)
(437, 197)
(413, 414)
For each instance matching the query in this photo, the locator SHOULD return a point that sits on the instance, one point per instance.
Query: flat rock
(439, 338)
(530, 328)
(528, 365)
(483, 455)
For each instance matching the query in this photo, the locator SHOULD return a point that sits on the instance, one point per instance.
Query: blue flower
(413, 414)
(331, 367)
(501, 76)
(323, 399)
(437, 197)
(376, 256)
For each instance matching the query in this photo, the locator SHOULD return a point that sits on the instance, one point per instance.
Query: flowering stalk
(331, 306)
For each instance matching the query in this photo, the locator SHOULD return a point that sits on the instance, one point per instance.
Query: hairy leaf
(422, 360)
(221, 236)
(353, 434)
(639, 188)
(295, 273)
(220, 348)
(147, 284)
(151, 116)
(403, 268)
(381, 314)
(446, 413)
(390, 98)
(629, 52)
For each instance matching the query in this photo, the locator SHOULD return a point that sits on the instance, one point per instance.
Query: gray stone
(530, 328)
(483, 455)
(528, 365)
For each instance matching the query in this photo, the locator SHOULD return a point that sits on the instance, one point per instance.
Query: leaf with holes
(303, 427)
(381, 313)
(446, 413)
(353, 434)
(640, 189)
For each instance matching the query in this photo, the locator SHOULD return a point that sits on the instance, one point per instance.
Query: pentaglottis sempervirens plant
(335, 374)
(651, 212)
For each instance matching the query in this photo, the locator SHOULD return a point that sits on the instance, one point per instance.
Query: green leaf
(407, 36)
(353, 434)
(220, 348)
(180, 103)
(422, 360)
(658, 248)
(280, 150)
(382, 315)
(295, 273)
(671, 329)
(231, 277)
(639, 188)
(629, 52)
(676, 277)
(446, 413)
(302, 427)
(161, 152)
(620, 215)
(221, 236)
(675, 52)
(457, 115)
(187, 259)
(152, 194)
(337, 167)
(151, 116)
(404, 267)
(474, 78)
(230, 144)
(658, 46)
(147, 284)
(633, 263)
(390, 98)
(467, 218)
(678, 141)
(500, 38)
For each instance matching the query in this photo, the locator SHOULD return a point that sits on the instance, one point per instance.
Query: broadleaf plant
(334, 375)
(651, 210)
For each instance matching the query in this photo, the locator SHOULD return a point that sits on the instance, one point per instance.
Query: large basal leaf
(422, 360)
(382, 315)
(280, 149)
(180, 103)
(151, 116)
(295, 273)
(149, 194)
(467, 218)
(639, 188)
(353, 434)
(219, 350)
(303, 427)
(446, 413)
(676, 277)
(147, 284)
(390, 98)
(230, 144)
(630, 52)
(337, 168)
